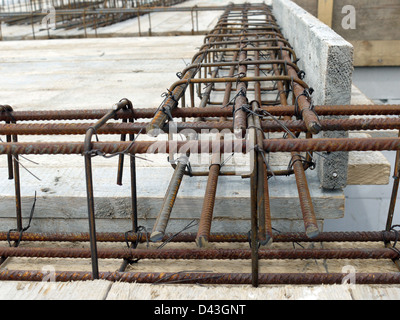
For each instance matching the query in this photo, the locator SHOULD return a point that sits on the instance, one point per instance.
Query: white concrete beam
(327, 60)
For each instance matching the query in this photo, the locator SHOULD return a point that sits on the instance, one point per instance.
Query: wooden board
(376, 52)
(376, 38)
(375, 19)
(309, 5)
(325, 11)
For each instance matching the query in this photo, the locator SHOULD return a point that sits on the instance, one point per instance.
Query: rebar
(210, 111)
(200, 254)
(248, 83)
(365, 236)
(205, 278)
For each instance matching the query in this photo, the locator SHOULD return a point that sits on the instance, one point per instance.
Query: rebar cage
(243, 83)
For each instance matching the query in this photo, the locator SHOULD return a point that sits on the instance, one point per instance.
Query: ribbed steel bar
(205, 278)
(367, 236)
(141, 113)
(241, 42)
(130, 128)
(235, 79)
(239, 115)
(254, 208)
(200, 254)
(89, 182)
(151, 147)
(204, 230)
(263, 199)
(169, 199)
(304, 106)
(306, 205)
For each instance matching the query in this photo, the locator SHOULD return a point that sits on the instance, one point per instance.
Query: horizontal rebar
(202, 277)
(196, 147)
(145, 113)
(197, 254)
(367, 236)
(129, 128)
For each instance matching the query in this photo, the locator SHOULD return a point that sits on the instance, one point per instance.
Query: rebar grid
(245, 81)
(81, 15)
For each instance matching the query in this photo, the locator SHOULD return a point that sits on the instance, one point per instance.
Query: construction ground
(91, 68)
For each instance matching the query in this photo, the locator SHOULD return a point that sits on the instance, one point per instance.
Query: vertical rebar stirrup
(89, 180)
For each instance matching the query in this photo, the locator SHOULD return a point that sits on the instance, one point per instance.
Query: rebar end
(153, 130)
(156, 236)
(312, 231)
(267, 241)
(202, 242)
(315, 127)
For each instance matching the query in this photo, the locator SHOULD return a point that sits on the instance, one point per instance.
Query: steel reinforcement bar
(204, 278)
(245, 80)
(151, 147)
(134, 128)
(365, 236)
(201, 254)
(7, 114)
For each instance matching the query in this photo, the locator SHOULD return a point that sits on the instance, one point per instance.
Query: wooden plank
(368, 168)
(325, 11)
(309, 5)
(375, 19)
(126, 291)
(376, 53)
(79, 290)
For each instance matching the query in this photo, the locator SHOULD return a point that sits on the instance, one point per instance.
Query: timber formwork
(242, 84)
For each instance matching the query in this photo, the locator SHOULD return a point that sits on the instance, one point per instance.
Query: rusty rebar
(306, 205)
(204, 230)
(200, 254)
(204, 278)
(210, 111)
(355, 236)
(169, 200)
(134, 128)
(151, 147)
(303, 106)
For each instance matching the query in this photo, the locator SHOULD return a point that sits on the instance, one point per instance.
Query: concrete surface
(327, 60)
